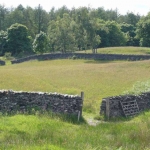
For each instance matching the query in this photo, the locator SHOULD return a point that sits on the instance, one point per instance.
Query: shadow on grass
(120, 119)
(148, 53)
(117, 119)
(126, 119)
(73, 119)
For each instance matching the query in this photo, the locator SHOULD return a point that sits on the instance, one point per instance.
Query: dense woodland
(34, 30)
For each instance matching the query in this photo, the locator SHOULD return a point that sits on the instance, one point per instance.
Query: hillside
(122, 50)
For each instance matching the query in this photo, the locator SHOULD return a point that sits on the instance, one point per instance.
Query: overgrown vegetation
(43, 132)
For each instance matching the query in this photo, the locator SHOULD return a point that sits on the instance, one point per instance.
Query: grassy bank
(44, 133)
(122, 50)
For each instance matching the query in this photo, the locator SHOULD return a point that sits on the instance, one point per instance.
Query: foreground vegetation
(97, 79)
(27, 132)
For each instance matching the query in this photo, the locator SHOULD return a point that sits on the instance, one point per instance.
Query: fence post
(81, 106)
(107, 109)
(82, 97)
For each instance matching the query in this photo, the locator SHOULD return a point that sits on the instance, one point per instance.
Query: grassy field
(98, 79)
(28, 132)
(122, 50)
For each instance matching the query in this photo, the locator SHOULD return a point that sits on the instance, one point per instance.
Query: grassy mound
(122, 50)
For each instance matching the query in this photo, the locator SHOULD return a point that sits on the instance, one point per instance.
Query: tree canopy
(40, 44)
(67, 30)
(18, 39)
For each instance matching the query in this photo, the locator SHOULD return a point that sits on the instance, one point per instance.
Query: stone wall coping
(40, 93)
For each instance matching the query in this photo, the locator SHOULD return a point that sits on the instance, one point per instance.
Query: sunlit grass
(97, 79)
(121, 50)
(25, 132)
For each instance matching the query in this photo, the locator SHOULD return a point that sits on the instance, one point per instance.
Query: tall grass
(26, 132)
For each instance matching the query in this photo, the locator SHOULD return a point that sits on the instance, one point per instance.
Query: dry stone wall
(12, 102)
(115, 108)
(2, 62)
(108, 57)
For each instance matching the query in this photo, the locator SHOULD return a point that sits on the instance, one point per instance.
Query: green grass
(97, 79)
(122, 50)
(27, 132)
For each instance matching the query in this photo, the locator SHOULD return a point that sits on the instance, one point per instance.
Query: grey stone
(115, 109)
(26, 101)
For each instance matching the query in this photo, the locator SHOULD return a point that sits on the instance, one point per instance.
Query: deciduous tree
(40, 44)
(3, 38)
(143, 31)
(18, 39)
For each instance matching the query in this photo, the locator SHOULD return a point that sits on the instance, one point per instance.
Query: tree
(61, 11)
(93, 25)
(80, 36)
(61, 34)
(40, 43)
(41, 20)
(103, 32)
(131, 18)
(3, 37)
(79, 28)
(3, 15)
(130, 31)
(101, 13)
(66, 39)
(88, 25)
(17, 15)
(115, 36)
(112, 15)
(52, 35)
(52, 14)
(143, 31)
(18, 39)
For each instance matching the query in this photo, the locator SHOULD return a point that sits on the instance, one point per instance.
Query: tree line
(34, 30)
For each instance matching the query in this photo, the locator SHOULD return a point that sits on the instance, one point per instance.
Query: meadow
(98, 79)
